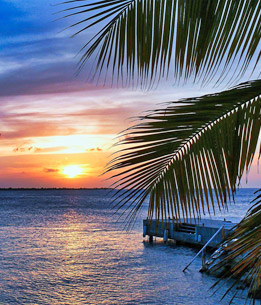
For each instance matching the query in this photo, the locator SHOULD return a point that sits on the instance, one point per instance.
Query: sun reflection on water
(64, 248)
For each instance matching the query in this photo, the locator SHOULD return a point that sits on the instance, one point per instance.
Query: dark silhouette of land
(49, 188)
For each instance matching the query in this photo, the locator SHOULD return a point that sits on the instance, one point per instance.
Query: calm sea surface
(64, 247)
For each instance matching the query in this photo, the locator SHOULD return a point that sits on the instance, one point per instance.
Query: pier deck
(190, 231)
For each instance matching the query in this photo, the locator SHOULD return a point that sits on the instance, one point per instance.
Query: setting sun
(72, 171)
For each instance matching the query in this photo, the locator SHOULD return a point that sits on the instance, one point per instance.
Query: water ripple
(61, 247)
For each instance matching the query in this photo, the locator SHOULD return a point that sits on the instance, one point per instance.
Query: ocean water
(65, 247)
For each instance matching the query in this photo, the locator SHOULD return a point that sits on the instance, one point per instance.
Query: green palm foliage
(242, 249)
(141, 40)
(193, 151)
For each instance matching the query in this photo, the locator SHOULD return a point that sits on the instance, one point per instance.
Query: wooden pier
(192, 231)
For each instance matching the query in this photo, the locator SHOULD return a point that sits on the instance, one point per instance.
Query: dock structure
(195, 232)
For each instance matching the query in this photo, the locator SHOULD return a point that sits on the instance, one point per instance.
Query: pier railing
(203, 248)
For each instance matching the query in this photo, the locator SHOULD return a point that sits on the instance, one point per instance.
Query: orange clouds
(32, 149)
(51, 170)
(47, 170)
(95, 149)
(23, 149)
(41, 134)
(81, 112)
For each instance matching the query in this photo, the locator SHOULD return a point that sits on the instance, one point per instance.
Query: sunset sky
(52, 119)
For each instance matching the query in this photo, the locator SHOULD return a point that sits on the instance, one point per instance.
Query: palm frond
(141, 40)
(192, 152)
(240, 257)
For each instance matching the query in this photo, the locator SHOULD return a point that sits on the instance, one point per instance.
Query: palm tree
(240, 256)
(194, 150)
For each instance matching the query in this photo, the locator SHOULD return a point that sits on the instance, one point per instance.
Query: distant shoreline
(50, 188)
(80, 188)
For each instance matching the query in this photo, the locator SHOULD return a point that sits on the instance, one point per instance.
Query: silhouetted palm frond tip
(142, 40)
(241, 255)
(192, 152)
